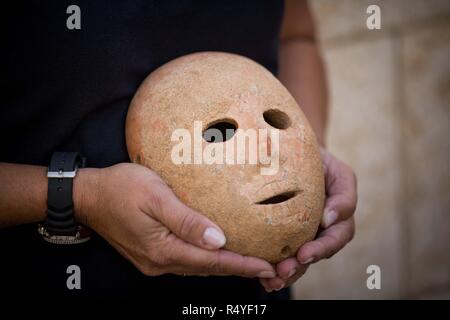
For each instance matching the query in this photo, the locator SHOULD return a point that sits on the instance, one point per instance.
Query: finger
(341, 194)
(287, 268)
(272, 284)
(279, 282)
(190, 259)
(329, 242)
(189, 225)
(297, 276)
(264, 284)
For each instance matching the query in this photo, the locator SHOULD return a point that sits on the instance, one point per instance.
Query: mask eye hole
(277, 119)
(220, 130)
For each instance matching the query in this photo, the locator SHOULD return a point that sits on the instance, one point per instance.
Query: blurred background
(390, 120)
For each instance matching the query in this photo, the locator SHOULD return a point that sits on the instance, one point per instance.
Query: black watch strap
(60, 214)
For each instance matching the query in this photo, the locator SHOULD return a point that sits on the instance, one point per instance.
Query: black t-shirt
(69, 90)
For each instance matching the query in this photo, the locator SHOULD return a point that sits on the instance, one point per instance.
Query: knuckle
(332, 246)
(321, 246)
(187, 225)
(156, 200)
(213, 265)
(157, 194)
(242, 267)
(331, 249)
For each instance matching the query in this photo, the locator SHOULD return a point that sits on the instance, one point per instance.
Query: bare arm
(137, 213)
(301, 67)
(23, 193)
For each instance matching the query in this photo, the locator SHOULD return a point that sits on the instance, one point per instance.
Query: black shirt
(69, 90)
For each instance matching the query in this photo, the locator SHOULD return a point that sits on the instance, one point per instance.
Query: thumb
(191, 226)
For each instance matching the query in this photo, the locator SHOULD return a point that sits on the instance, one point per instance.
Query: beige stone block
(342, 18)
(364, 132)
(339, 18)
(405, 14)
(427, 132)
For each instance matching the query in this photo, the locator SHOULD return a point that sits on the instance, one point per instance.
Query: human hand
(337, 225)
(138, 214)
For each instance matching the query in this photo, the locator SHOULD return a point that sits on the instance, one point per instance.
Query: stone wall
(389, 119)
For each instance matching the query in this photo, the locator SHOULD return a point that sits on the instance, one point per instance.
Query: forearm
(23, 193)
(301, 70)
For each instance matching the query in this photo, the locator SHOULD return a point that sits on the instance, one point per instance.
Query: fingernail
(291, 273)
(306, 261)
(330, 218)
(266, 274)
(268, 290)
(280, 287)
(214, 237)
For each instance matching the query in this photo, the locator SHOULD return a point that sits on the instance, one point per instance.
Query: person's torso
(69, 90)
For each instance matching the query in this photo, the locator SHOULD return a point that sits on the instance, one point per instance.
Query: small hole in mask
(286, 251)
(277, 119)
(220, 131)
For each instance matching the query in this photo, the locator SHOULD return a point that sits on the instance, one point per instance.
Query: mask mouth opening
(279, 198)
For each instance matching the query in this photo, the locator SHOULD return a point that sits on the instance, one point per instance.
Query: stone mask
(266, 209)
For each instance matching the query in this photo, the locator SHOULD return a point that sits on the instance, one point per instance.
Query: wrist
(86, 195)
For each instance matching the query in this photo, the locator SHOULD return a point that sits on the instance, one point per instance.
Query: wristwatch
(60, 226)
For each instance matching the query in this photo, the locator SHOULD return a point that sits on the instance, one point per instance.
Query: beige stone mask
(266, 209)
